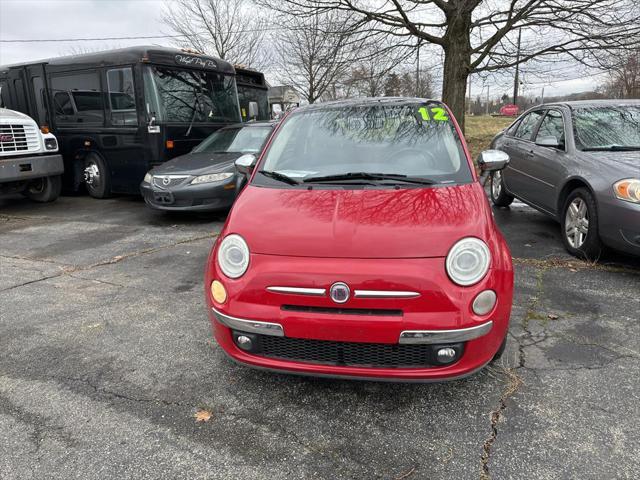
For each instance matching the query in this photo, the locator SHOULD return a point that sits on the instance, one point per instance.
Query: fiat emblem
(339, 292)
(166, 181)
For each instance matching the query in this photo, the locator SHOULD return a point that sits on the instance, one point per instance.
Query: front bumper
(204, 197)
(620, 225)
(366, 328)
(30, 167)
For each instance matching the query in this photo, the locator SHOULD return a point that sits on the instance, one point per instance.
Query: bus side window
(78, 99)
(122, 97)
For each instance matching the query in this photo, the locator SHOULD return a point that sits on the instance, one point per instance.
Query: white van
(29, 163)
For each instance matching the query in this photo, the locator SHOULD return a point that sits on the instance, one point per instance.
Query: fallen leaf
(553, 316)
(202, 415)
(573, 270)
(527, 244)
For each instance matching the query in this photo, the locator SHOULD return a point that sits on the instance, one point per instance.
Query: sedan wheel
(576, 223)
(580, 225)
(499, 196)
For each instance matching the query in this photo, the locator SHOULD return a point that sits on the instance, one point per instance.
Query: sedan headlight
(148, 178)
(468, 261)
(233, 256)
(628, 190)
(212, 177)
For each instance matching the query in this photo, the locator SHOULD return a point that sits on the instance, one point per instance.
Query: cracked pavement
(106, 355)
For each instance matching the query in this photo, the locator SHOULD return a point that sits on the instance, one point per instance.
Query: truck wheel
(97, 176)
(44, 190)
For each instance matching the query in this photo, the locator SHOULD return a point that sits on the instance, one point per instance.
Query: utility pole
(542, 100)
(517, 78)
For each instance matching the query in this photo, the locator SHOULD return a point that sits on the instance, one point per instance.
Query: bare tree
(230, 29)
(314, 52)
(624, 76)
(478, 35)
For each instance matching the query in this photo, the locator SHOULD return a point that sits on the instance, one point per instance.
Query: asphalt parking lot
(106, 355)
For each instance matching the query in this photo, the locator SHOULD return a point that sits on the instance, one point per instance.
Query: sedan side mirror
(245, 163)
(550, 141)
(492, 160)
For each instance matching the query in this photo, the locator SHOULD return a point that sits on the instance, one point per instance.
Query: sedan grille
(165, 181)
(18, 138)
(375, 355)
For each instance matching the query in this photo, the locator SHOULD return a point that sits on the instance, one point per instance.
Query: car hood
(626, 160)
(197, 164)
(364, 223)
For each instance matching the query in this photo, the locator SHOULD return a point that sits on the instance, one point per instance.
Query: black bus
(252, 88)
(118, 113)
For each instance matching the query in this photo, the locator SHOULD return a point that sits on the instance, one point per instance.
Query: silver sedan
(580, 163)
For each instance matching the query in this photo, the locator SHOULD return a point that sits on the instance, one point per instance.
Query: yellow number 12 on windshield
(438, 114)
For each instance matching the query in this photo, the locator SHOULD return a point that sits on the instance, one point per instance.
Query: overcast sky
(56, 19)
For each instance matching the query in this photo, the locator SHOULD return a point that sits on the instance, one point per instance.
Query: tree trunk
(457, 61)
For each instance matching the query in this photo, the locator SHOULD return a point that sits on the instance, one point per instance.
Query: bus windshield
(188, 96)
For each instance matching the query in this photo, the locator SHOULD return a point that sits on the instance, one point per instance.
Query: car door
(518, 145)
(546, 164)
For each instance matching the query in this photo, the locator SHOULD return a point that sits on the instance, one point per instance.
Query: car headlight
(148, 178)
(628, 190)
(212, 177)
(233, 256)
(468, 261)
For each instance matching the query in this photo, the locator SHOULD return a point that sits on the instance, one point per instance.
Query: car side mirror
(549, 141)
(253, 110)
(492, 160)
(245, 163)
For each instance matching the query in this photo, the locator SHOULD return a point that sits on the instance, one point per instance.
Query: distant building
(282, 98)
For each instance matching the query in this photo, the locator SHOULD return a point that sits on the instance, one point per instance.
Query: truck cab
(29, 162)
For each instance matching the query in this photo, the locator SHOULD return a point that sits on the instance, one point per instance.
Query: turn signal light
(169, 144)
(218, 292)
(44, 129)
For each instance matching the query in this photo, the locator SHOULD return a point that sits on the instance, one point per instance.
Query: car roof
(365, 102)
(592, 103)
(257, 123)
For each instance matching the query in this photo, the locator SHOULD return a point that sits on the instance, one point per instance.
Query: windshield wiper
(281, 177)
(613, 148)
(370, 176)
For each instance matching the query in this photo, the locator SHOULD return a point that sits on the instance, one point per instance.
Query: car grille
(18, 138)
(385, 312)
(159, 181)
(380, 355)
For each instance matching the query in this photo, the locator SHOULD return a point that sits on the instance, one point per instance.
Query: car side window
(528, 124)
(552, 126)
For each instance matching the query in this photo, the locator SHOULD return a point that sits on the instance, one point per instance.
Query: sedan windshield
(607, 128)
(409, 144)
(240, 140)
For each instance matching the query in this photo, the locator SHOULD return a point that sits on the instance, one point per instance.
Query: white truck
(29, 163)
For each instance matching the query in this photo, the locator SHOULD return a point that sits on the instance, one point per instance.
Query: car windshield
(240, 140)
(607, 128)
(187, 96)
(418, 141)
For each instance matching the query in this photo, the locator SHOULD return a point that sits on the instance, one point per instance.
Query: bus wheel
(96, 176)
(44, 190)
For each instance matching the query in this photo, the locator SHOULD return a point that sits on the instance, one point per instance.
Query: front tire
(499, 195)
(44, 190)
(579, 223)
(96, 176)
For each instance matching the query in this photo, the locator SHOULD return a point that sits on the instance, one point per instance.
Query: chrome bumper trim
(252, 326)
(385, 294)
(445, 336)
(317, 292)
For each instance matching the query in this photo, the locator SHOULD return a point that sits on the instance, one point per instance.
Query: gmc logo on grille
(6, 138)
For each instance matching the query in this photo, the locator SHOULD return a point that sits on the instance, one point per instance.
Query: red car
(363, 246)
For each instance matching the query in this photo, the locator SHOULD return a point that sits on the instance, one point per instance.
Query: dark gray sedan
(206, 178)
(580, 163)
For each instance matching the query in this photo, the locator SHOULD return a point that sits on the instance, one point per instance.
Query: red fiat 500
(363, 246)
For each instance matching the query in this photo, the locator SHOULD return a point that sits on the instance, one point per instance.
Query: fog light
(218, 292)
(446, 355)
(484, 302)
(244, 342)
